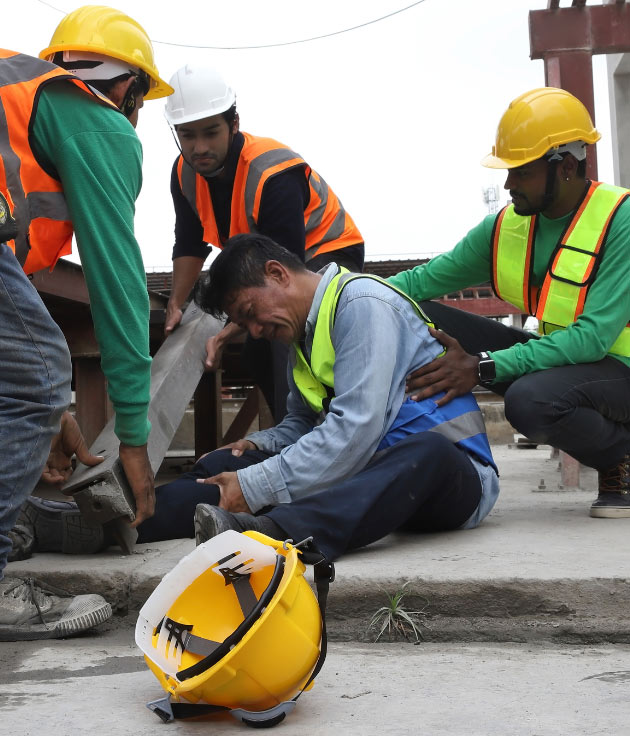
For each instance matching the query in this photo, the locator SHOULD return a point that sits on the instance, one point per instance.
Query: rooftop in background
(161, 281)
(477, 299)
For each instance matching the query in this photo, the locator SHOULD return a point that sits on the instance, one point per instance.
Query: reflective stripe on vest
(327, 225)
(312, 379)
(39, 207)
(573, 266)
(460, 420)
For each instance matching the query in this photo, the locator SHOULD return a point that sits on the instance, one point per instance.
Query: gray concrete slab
(538, 568)
(100, 684)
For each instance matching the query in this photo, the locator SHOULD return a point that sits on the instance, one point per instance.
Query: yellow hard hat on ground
(104, 31)
(537, 123)
(235, 626)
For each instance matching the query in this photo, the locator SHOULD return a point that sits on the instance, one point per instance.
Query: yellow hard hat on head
(539, 122)
(102, 31)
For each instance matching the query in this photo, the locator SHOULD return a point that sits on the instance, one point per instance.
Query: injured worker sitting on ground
(354, 459)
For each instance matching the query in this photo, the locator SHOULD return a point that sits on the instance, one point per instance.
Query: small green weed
(397, 622)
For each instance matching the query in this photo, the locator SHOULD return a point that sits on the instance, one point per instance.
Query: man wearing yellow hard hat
(558, 252)
(70, 163)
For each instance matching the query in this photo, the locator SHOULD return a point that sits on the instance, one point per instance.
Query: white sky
(395, 116)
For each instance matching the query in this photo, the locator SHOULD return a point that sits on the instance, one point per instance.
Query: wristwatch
(486, 368)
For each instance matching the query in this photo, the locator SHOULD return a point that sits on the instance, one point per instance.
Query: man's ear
(117, 93)
(235, 125)
(568, 167)
(275, 271)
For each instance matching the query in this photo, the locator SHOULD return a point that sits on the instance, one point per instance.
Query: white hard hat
(94, 67)
(200, 92)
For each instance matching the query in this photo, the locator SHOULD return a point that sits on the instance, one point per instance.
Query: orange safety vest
(35, 197)
(328, 226)
(572, 268)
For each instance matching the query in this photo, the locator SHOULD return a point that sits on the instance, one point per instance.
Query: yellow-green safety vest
(316, 381)
(572, 268)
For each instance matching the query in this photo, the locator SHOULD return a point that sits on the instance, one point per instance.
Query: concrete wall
(619, 96)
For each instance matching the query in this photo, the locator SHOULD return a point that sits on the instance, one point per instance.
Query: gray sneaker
(31, 611)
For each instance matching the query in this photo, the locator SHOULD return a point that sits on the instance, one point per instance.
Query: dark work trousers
(582, 409)
(267, 361)
(175, 502)
(423, 483)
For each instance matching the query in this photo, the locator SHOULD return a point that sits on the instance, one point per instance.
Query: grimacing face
(205, 143)
(268, 311)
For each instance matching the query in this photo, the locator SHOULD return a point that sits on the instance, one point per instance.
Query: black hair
(240, 265)
(230, 115)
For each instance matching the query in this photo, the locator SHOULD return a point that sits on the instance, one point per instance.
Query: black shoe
(59, 527)
(613, 501)
(211, 521)
(611, 505)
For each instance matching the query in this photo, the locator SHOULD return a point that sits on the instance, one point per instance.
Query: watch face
(487, 370)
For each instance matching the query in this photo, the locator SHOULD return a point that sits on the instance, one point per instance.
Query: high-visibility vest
(327, 225)
(35, 197)
(460, 420)
(572, 268)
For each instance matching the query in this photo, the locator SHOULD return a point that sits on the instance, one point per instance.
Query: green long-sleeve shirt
(588, 339)
(96, 154)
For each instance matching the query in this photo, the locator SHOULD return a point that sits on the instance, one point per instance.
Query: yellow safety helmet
(234, 626)
(103, 31)
(539, 122)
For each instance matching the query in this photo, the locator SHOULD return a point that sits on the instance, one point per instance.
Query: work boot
(211, 521)
(22, 538)
(30, 611)
(613, 501)
(59, 527)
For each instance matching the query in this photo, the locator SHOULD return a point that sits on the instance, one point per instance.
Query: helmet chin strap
(552, 167)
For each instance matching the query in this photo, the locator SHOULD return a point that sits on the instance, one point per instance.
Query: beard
(524, 207)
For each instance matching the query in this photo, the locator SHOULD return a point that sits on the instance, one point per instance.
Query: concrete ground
(525, 623)
(99, 685)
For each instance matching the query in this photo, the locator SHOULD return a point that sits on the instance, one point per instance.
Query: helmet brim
(159, 88)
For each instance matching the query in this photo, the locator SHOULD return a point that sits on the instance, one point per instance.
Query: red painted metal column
(93, 408)
(573, 71)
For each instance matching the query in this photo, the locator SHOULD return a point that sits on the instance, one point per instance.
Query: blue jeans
(35, 375)
(423, 483)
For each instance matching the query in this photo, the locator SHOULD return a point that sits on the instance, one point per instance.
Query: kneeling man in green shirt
(558, 252)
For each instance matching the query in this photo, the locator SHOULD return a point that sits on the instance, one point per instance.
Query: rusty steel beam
(93, 407)
(573, 71)
(485, 306)
(598, 29)
(66, 281)
(208, 414)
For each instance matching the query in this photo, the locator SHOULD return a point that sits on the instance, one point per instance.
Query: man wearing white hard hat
(227, 182)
